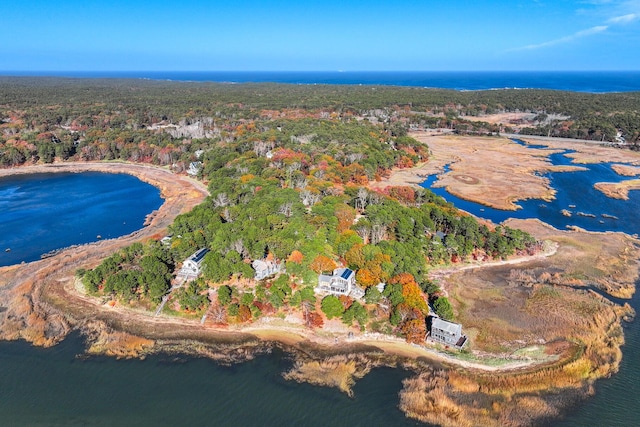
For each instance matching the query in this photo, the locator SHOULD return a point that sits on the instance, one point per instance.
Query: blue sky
(426, 35)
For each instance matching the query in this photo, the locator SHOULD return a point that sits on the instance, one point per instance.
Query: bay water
(575, 81)
(40, 213)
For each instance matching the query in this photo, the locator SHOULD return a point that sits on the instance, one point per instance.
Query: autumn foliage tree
(296, 256)
(323, 264)
(413, 295)
(345, 215)
(346, 301)
(313, 320)
(415, 330)
(355, 257)
(244, 313)
(403, 194)
(366, 278)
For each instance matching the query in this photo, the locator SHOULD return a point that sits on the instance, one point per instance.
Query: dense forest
(140, 120)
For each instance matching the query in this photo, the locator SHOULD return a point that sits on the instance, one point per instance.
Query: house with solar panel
(192, 266)
(447, 333)
(341, 282)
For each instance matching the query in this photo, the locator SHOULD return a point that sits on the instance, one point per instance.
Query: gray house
(192, 266)
(447, 333)
(265, 269)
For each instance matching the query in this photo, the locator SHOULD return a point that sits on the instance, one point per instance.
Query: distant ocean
(575, 81)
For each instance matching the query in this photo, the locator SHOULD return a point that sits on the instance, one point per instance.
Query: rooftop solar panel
(346, 273)
(197, 257)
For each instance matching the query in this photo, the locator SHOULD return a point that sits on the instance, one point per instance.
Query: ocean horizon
(573, 81)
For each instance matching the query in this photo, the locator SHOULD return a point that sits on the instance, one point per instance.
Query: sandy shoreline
(181, 194)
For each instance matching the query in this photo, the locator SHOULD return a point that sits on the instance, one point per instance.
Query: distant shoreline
(596, 82)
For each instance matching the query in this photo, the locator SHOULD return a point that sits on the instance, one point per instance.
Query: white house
(265, 268)
(194, 168)
(192, 266)
(447, 333)
(341, 282)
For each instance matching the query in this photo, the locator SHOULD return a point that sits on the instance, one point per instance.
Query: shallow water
(40, 213)
(575, 193)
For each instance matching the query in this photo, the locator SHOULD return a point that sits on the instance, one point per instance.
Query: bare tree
(221, 200)
(354, 157)
(286, 209)
(299, 181)
(218, 313)
(226, 214)
(309, 198)
(378, 232)
(362, 198)
(374, 198)
(260, 148)
(364, 231)
(239, 247)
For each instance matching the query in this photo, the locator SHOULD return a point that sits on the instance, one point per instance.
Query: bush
(332, 307)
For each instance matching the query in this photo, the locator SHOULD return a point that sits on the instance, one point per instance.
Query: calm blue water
(44, 212)
(52, 387)
(575, 81)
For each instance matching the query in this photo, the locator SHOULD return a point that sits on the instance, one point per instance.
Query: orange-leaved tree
(413, 295)
(296, 257)
(323, 264)
(415, 330)
(366, 278)
(345, 215)
(244, 313)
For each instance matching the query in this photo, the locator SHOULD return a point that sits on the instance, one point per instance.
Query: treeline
(136, 273)
(98, 119)
(158, 99)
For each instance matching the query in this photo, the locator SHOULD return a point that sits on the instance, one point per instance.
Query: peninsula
(303, 228)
